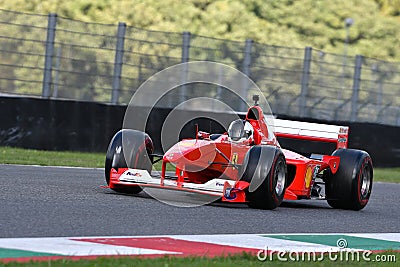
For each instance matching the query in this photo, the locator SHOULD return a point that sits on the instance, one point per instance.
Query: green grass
(391, 175)
(10, 155)
(235, 260)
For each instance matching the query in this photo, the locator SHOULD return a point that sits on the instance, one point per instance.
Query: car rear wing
(312, 132)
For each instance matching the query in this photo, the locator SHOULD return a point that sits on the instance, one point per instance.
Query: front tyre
(128, 149)
(264, 167)
(350, 187)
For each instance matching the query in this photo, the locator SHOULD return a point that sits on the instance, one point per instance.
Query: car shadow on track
(306, 204)
(286, 204)
(299, 204)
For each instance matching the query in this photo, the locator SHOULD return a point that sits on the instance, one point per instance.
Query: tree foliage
(316, 23)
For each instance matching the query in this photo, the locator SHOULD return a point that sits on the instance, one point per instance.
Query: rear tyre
(128, 149)
(264, 167)
(350, 187)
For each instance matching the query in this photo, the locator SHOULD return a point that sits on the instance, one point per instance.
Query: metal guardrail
(55, 57)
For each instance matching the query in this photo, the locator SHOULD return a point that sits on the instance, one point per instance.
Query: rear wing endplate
(312, 132)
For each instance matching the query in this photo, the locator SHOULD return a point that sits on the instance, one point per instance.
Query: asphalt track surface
(51, 201)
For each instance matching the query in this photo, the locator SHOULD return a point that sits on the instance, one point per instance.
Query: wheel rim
(365, 182)
(280, 177)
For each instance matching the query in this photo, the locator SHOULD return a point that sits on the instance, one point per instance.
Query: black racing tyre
(264, 167)
(135, 146)
(350, 187)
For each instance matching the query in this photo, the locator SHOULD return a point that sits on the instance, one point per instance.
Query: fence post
(185, 46)
(119, 56)
(185, 59)
(57, 71)
(51, 35)
(246, 70)
(247, 56)
(304, 81)
(356, 87)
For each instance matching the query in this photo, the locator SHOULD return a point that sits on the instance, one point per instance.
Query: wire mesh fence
(22, 52)
(54, 57)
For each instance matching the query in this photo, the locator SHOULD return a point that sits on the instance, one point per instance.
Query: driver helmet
(240, 130)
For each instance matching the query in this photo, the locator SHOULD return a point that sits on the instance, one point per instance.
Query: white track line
(65, 246)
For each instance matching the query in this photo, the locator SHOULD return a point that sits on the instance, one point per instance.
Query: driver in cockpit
(241, 131)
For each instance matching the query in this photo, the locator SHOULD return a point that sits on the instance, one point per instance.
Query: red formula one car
(246, 164)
